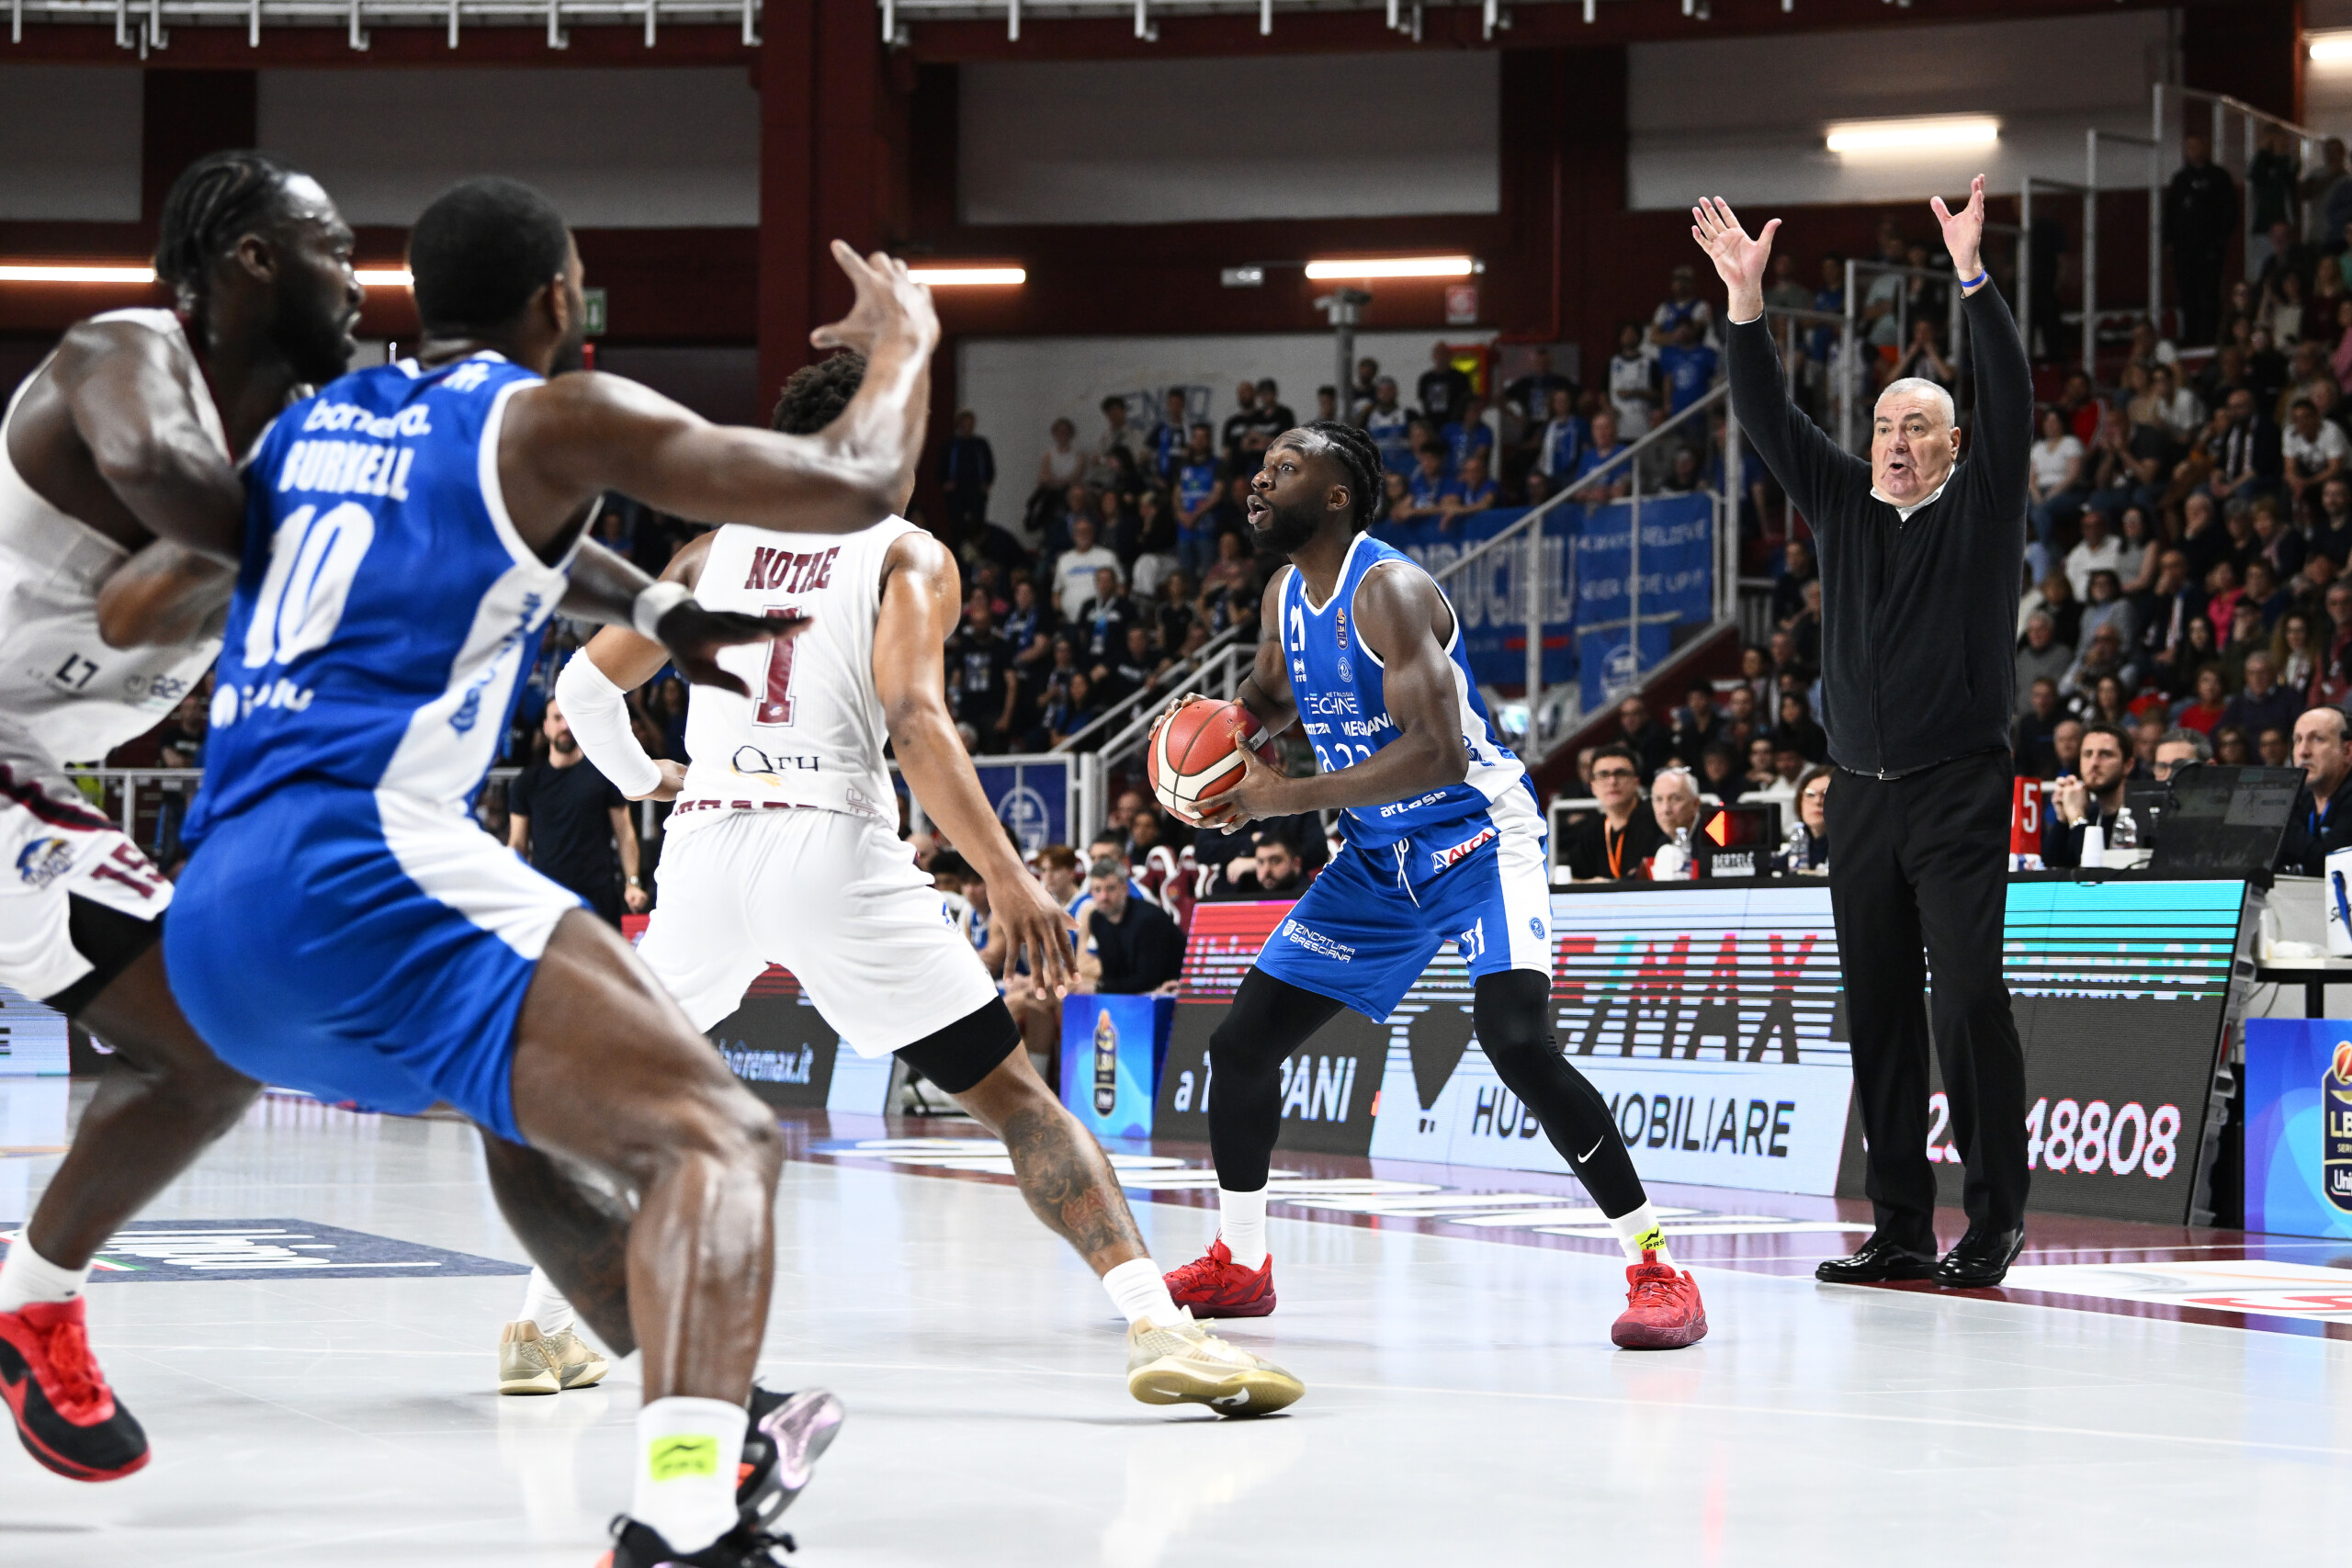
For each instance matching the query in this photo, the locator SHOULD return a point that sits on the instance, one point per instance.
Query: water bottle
(1107, 1065)
(2127, 832)
(1798, 848)
(1690, 870)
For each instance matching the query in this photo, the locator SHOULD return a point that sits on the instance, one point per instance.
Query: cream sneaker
(1183, 1363)
(575, 1363)
(526, 1363)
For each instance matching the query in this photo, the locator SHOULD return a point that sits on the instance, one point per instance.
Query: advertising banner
(785, 1053)
(1489, 596)
(2299, 1126)
(1711, 1019)
(1331, 1088)
(32, 1037)
(1677, 585)
(1112, 1048)
(1029, 796)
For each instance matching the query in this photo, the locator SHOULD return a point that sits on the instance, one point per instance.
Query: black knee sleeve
(967, 1050)
(111, 941)
(1270, 1019)
(1512, 1012)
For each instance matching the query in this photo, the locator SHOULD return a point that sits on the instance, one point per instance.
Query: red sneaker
(1662, 1308)
(1214, 1285)
(65, 1413)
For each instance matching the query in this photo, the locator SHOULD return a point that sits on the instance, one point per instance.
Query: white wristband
(655, 602)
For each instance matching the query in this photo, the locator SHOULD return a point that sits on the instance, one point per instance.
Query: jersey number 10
(774, 705)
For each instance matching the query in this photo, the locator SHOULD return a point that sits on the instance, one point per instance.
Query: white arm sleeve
(598, 713)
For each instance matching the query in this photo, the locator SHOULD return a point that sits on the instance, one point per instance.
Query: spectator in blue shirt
(1688, 365)
(1196, 493)
(1425, 491)
(1605, 446)
(1470, 490)
(966, 471)
(1559, 448)
(1390, 425)
(1467, 435)
(1166, 445)
(1682, 306)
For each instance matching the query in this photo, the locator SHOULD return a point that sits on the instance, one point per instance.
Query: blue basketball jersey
(1336, 683)
(387, 611)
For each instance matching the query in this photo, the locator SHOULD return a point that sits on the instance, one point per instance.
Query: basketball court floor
(306, 1325)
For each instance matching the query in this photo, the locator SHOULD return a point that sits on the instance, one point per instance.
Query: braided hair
(1356, 453)
(217, 199)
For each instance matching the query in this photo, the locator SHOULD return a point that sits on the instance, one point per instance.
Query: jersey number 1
(775, 707)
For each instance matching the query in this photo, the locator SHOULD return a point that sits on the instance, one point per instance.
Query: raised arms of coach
(1824, 480)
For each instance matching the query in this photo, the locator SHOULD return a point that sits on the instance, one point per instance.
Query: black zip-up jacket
(1918, 617)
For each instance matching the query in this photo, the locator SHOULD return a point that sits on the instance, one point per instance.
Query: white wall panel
(625, 149)
(69, 144)
(1189, 140)
(1743, 118)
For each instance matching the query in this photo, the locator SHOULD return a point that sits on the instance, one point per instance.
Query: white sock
(1138, 1289)
(687, 1450)
(1638, 1231)
(27, 1277)
(545, 1305)
(1241, 1224)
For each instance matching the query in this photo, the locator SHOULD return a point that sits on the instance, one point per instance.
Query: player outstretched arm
(578, 435)
(593, 689)
(1402, 615)
(921, 602)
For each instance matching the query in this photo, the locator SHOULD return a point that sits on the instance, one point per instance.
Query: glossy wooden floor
(1465, 1404)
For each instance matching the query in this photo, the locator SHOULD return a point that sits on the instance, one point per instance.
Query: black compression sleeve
(1511, 1009)
(1270, 1019)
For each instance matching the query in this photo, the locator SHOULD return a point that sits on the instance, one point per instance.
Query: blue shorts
(365, 947)
(1369, 924)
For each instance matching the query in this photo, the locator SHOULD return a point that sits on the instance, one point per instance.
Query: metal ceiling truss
(146, 24)
(1403, 15)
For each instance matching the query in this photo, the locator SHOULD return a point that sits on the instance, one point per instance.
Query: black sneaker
(787, 1434)
(637, 1546)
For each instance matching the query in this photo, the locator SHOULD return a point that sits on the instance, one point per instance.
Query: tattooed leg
(1062, 1170)
(578, 1234)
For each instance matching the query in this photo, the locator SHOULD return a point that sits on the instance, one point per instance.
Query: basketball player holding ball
(1444, 843)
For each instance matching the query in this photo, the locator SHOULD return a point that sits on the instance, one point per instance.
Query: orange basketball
(1191, 758)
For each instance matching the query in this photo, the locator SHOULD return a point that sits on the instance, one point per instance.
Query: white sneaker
(1183, 1363)
(575, 1363)
(532, 1362)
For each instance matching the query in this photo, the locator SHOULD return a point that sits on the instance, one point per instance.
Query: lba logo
(2336, 1110)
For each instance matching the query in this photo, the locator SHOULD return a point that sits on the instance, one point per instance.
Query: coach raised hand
(1920, 558)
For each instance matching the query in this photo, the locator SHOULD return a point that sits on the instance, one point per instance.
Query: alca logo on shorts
(43, 861)
(1441, 859)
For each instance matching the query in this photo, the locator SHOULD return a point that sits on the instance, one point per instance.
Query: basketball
(1192, 760)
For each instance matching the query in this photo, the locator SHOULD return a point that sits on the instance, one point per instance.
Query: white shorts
(56, 847)
(835, 898)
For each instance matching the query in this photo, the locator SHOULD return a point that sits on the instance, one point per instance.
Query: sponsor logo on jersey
(1402, 807)
(1315, 941)
(413, 420)
(1441, 859)
(856, 799)
(753, 763)
(468, 712)
(43, 861)
(1343, 625)
(231, 703)
(1327, 704)
(791, 571)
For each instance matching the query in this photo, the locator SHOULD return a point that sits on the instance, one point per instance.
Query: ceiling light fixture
(1931, 133)
(969, 276)
(2331, 47)
(1392, 266)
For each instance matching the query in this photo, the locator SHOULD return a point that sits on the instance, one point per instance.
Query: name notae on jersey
(1337, 685)
(386, 610)
(812, 732)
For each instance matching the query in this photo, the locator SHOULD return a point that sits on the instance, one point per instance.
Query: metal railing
(1117, 718)
(1546, 729)
(1216, 672)
(146, 24)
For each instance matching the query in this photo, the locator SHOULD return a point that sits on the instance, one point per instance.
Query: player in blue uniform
(345, 928)
(1444, 843)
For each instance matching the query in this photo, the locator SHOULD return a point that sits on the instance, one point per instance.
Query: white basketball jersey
(811, 733)
(59, 680)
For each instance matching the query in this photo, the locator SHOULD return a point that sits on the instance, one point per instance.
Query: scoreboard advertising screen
(1712, 1021)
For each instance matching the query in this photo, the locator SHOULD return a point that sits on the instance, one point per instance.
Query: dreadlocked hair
(1362, 459)
(217, 198)
(814, 395)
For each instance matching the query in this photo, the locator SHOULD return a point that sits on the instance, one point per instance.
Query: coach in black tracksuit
(1919, 566)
